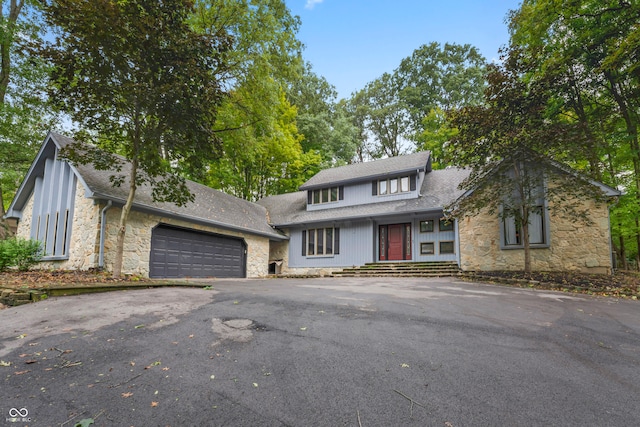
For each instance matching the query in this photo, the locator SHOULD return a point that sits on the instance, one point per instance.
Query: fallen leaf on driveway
(22, 372)
(154, 404)
(3, 363)
(127, 394)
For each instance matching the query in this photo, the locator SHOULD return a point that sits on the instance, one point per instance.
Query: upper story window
(325, 195)
(394, 185)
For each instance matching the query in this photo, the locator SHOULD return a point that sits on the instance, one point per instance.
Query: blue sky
(353, 42)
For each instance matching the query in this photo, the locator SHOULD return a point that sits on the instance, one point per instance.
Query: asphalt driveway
(322, 352)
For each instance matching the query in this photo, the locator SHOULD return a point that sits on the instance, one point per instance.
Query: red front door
(395, 242)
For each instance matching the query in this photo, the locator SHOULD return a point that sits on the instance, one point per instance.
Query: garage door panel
(185, 253)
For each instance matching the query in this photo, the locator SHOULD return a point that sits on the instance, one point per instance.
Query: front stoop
(402, 269)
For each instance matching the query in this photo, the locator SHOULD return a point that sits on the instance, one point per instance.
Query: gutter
(103, 226)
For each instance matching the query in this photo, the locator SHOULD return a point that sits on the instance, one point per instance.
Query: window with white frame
(393, 185)
(325, 195)
(321, 241)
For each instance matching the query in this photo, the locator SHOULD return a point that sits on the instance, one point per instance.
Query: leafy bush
(19, 252)
(6, 258)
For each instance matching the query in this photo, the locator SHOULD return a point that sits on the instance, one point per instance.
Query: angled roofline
(26, 188)
(21, 197)
(606, 189)
(119, 202)
(423, 166)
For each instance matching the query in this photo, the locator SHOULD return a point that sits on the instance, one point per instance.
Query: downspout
(103, 226)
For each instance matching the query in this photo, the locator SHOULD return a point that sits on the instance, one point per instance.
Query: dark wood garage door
(176, 252)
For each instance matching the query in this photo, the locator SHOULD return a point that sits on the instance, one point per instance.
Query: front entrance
(395, 242)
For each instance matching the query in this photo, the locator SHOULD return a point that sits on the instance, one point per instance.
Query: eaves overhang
(119, 202)
(360, 179)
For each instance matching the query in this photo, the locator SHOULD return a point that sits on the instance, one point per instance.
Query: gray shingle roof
(361, 171)
(210, 206)
(439, 188)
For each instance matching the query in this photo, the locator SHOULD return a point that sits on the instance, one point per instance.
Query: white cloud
(311, 3)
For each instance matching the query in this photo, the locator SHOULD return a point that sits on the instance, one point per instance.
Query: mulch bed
(622, 284)
(36, 279)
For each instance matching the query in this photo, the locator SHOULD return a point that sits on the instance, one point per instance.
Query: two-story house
(385, 210)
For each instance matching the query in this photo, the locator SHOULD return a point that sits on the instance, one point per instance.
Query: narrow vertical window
(404, 184)
(329, 242)
(383, 186)
(393, 185)
(312, 242)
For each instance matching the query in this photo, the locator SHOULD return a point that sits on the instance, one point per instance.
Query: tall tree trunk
(623, 252)
(525, 240)
(4, 230)
(124, 216)
(6, 42)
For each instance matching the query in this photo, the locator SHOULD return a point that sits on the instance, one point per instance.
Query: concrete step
(402, 269)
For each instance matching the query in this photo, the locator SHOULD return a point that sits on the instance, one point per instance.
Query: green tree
(435, 136)
(134, 75)
(590, 48)
(509, 144)
(322, 121)
(440, 77)
(263, 158)
(386, 116)
(24, 117)
(261, 144)
(397, 112)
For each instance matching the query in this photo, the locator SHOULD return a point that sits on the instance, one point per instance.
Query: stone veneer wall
(574, 246)
(84, 247)
(84, 240)
(280, 251)
(137, 246)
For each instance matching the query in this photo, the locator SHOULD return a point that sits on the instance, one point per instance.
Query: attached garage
(178, 252)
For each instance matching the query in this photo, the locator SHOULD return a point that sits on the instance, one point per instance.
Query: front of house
(387, 210)
(384, 211)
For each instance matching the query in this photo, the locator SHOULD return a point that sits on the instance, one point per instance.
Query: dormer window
(325, 195)
(394, 185)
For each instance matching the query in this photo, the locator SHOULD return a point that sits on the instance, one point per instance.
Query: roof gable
(210, 207)
(50, 147)
(369, 170)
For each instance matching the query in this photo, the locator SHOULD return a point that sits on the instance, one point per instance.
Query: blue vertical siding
(356, 246)
(360, 194)
(53, 202)
(359, 242)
